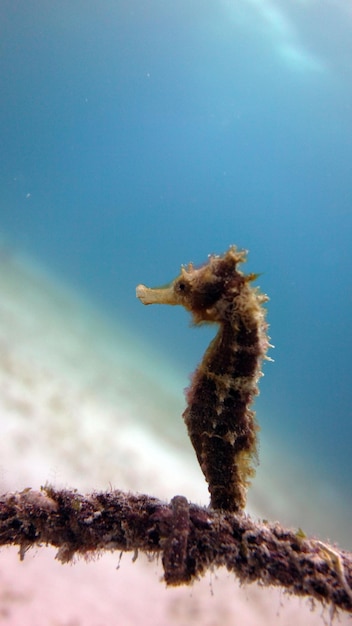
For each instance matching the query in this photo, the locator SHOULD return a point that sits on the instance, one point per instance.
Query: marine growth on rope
(220, 422)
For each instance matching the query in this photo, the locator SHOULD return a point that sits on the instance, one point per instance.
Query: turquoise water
(138, 136)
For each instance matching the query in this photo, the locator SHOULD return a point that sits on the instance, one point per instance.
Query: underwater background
(138, 136)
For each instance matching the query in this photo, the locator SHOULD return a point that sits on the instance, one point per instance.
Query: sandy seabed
(82, 405)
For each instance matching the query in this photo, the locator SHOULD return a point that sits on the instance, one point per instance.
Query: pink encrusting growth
(220, 422)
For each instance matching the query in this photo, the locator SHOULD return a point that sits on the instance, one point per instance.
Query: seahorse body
(220, 423)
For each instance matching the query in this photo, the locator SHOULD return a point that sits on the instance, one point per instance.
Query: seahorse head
(201, 290)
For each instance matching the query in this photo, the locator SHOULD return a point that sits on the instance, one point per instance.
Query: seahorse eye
(182, 287)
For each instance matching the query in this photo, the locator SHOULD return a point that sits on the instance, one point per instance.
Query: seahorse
(221, 425)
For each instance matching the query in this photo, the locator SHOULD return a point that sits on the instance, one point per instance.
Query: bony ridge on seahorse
(220, 423)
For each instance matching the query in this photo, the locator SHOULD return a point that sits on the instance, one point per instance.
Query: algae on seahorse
(220, 423)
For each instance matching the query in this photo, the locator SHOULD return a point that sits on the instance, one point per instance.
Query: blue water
(136, 136)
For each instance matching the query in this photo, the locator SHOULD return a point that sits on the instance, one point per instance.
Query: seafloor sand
(82, 405)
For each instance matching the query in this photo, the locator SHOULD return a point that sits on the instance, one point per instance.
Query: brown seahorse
(220, 423)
